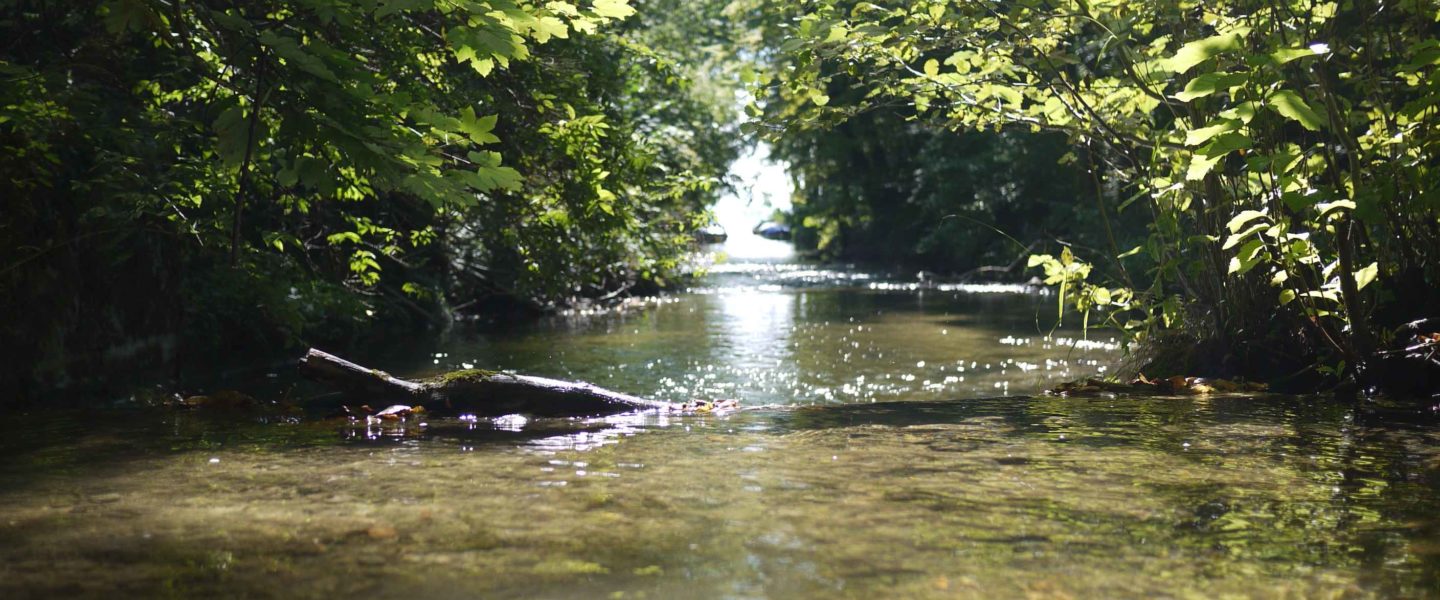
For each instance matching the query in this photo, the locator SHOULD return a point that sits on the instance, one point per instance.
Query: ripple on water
(983, 498)
(855, 472)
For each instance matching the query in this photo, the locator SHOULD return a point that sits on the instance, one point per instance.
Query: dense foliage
(1253, 179)
(222, 174)
(882, 188)
(1283, 153)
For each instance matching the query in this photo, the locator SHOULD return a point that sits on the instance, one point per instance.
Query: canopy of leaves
(1310, 118)
(278, 171)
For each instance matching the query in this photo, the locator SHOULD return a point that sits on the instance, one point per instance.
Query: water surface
(886, 451)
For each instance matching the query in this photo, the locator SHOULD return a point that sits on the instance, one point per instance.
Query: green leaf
(1199, 51)
(1286, 296)
(547, 27)
(290, 50)
(478, 128)
(483, 66)
(1422, 55)
(344, 236)
(1246, 258)
(232, 135)
(394, 6)
(1101, 296)
(1366, 275)
(613, 9)
(313, 172)
(128, 15)
(1325, 208)
(1009, 94)
(1243, 112)
(1200, 166)
(489, 40)
(932, 68)
(1244, 217)
(1291, 106)
(499, 178)
(232, 23)
(1226, 144)
(1210, 83)
(1239, 236)
(1285, 55)
(1195, 137)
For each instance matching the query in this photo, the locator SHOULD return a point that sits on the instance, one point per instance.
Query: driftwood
(475, 391)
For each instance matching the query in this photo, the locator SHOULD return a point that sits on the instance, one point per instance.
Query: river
(892, 443)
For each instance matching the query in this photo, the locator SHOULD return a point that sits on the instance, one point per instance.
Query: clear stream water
(891, 446)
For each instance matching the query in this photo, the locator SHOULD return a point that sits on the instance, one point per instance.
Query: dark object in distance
(771, 230)
(711, 234)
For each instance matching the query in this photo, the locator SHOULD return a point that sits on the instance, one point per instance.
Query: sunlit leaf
(1366, 275)
(1210, 83)
(1239, 236)
(547, 27)
(613, 9)
(1226, 143)
(1246, 258)
(478, 128)
(1325, 208)
(1290, 105)
(1200, 166)
(1199, 51)
(1195, 137)
(1244, 217)
(1285, 55)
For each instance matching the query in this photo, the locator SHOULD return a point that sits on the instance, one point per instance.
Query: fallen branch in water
(1006, 269)
(1168, 386)
(478, 392)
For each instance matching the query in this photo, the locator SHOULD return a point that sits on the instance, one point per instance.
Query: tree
(280, 172)
(1283, 149)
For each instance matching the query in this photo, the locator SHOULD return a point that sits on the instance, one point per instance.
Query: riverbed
(891, 442)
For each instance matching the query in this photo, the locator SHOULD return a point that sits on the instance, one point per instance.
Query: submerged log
(476, 391)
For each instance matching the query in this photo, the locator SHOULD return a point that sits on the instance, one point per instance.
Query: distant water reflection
(770, 330)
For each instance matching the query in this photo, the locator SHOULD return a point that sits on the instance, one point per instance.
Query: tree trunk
(474, 391)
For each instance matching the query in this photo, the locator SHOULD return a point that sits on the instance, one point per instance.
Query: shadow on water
(1359, 482)
(1285, 493)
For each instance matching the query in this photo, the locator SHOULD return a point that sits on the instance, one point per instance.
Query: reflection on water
(1046, 497)
(876, 459)
(768, 332)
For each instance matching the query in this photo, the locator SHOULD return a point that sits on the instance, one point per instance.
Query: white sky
(762, 187)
